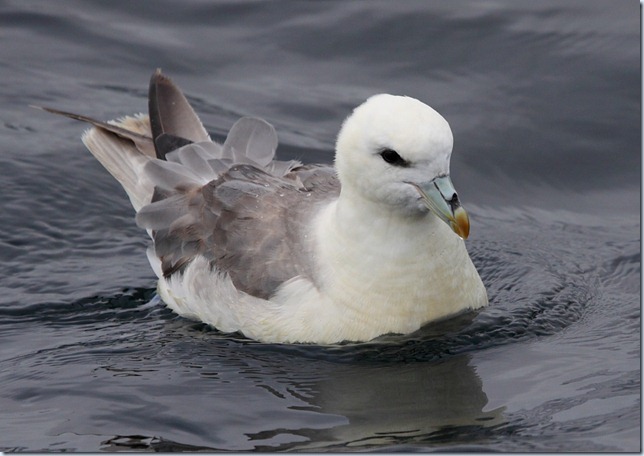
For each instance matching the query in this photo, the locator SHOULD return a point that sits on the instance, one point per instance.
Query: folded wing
(233, 204)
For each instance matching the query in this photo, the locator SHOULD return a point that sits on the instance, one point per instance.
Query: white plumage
(289, 253)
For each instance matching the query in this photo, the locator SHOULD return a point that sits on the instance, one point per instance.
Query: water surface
(544, 102)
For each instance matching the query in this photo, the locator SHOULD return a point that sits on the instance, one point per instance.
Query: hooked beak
(440, 197)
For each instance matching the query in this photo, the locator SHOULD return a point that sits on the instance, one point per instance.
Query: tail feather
(124, 161)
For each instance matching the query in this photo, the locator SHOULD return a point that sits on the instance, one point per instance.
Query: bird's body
(285, 252)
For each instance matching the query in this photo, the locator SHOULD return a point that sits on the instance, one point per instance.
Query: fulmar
(290, 253)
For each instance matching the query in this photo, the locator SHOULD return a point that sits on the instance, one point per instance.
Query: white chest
(395, 274)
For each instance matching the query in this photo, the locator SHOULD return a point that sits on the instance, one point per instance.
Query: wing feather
(251, 139)
(236, 206)
(247, 223)
(173, 122)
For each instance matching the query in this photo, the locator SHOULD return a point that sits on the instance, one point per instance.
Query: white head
(395, 151)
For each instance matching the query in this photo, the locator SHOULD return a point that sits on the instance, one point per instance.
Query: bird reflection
(392, 403)
(360, 397)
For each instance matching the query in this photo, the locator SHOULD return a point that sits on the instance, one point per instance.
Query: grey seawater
(544, 101)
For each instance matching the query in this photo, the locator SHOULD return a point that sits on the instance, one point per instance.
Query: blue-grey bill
(440, 197)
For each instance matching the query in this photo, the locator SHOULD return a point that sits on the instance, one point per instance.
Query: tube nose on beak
(440, 197)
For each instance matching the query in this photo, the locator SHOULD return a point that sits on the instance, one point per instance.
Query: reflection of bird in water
(399, 403)
(319, 405)
(285, 252)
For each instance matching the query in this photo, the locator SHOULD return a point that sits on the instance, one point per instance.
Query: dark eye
(392, 157)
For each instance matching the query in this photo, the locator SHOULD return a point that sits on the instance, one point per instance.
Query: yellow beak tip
(461, 223)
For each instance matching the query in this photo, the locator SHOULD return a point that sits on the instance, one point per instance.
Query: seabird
(284, 252)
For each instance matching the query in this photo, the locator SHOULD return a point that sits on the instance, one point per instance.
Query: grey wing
(246, 223)
(233, 204)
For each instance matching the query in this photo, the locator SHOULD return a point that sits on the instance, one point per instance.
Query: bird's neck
(357, 218)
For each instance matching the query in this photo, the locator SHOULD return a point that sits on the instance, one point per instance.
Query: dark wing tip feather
(171, 114)
(142, 142)
(97, 123)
